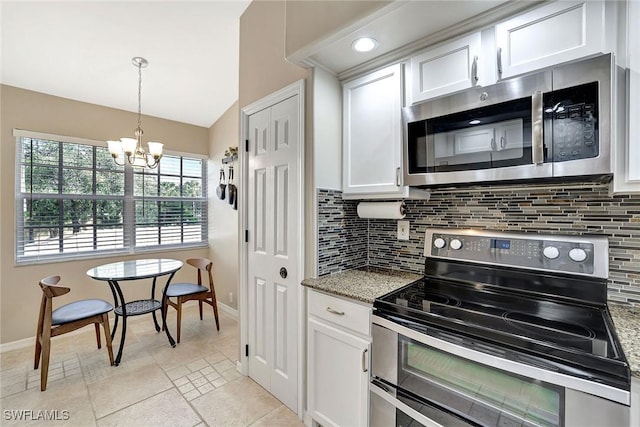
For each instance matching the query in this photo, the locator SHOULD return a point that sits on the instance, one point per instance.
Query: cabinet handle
(331, 310)
(537, 143)
(398, 177)
(474, 71)
(503, 142)
(493, 144)
(364, 361)
(499, 60)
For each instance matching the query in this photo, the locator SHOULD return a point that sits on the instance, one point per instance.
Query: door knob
(283, 272)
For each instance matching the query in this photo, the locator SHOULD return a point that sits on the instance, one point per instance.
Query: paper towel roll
(388, 210)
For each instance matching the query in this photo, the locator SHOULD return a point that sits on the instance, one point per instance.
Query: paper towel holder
(382, 210)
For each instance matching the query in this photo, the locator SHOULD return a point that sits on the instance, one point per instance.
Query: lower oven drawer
(478, 388)
(390, 407)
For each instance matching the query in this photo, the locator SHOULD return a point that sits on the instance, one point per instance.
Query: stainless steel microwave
(554, 123)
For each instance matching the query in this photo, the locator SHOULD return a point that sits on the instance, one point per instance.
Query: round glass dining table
(138, 269)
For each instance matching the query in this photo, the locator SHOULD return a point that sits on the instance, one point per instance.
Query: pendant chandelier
(130, 149)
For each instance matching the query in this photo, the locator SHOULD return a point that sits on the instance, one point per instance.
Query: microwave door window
(490, 137)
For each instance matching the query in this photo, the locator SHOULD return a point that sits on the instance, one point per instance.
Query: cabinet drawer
(341, 312)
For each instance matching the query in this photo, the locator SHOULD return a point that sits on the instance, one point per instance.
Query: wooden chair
(65, 319)
(183, 292)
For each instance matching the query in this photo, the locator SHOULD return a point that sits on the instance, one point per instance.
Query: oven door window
(482, 394)
(489, 137)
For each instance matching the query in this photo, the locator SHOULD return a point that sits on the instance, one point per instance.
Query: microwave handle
(537, 142)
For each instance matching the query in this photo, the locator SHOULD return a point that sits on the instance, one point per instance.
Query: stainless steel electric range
(504, 329)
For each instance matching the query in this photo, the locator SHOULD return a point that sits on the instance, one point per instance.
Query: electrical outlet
(403, 230)
(230, 297)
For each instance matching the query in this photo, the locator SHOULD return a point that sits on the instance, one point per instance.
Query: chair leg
(179, 315)
(200, 307)
(107, 336)
(97, 326)
(46, 351)
(38, 352)
(214, 304)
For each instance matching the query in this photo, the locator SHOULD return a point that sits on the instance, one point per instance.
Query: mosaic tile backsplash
(346, 241)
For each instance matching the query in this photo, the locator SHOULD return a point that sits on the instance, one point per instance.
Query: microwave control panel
(571, 118)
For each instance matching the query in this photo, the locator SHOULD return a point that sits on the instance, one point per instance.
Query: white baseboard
(228, 310)
(17, 345)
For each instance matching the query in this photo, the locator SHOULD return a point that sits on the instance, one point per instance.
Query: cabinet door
(338, 376)
(555, 33)
(635, 402)
(633, 39)
(372, 134)
(446, 69)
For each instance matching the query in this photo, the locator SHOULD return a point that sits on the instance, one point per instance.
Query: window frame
(129, 199)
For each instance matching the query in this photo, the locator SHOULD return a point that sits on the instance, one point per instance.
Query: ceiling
(399, 25)
(82, 50)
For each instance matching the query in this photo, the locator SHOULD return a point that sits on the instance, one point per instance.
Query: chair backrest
(50, 290)
(202, 264)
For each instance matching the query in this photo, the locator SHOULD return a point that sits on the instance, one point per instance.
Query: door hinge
(246, 350)
(246, 145)
(246, 236)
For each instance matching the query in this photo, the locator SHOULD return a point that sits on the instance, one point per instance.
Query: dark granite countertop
(362, 284)
(626, 319)
(367, 283)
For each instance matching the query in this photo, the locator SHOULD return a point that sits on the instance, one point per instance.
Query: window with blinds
(73, 200)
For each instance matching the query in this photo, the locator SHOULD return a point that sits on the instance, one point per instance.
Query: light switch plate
(403, 230)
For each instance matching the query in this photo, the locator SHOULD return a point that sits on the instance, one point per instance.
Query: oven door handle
(389, 393)
(417, 416)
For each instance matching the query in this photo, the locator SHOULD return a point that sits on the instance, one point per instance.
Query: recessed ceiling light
(474, 122)
(364, 44)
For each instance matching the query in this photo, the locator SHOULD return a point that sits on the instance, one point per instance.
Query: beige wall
(312, 21)
(19, 292)
(263, 69)
(223, 224)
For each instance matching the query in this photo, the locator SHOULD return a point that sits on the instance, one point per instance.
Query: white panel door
(273, 249)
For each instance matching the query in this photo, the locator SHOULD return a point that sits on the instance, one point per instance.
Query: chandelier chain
(131, 148)
(139, 95)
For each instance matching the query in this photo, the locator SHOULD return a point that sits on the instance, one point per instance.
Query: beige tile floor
(194, 384)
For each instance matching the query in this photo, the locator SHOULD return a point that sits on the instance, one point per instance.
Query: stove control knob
(551, 252)
(455, 244)
(439, 243)
(577, 254)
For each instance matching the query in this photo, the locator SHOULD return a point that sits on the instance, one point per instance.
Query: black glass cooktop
(529, 316)
(574, 326)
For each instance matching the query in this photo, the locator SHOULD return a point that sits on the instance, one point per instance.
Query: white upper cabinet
(552, 34)
(633, 103)
(448, 68)
(372, 133)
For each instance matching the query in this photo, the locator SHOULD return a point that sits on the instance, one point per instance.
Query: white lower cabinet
(635, 402)
(339, 343)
